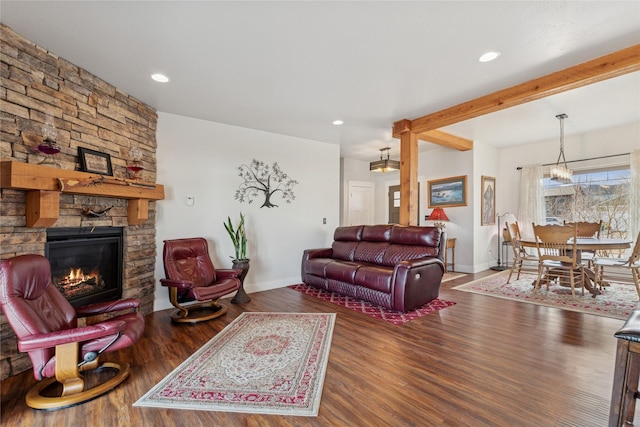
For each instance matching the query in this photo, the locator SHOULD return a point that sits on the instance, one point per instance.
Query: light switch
(190, 200)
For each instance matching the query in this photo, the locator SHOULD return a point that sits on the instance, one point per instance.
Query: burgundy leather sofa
(394, 266)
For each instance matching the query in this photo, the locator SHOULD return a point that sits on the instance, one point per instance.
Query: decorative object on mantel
(96, 213)
(94, 161)
(384, 165)
(260, 178)
(439, 216)
(49, 147)
(239, 238)
(561, 172)
(136, 161)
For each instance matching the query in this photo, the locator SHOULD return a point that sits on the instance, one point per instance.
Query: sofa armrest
(180, 284)
(317, 253)
(107, 307)
(416, 282)
(66, 336)
(442, 248)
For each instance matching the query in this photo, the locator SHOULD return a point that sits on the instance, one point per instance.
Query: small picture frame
(488, 201)
(447, 192)
(94, 161)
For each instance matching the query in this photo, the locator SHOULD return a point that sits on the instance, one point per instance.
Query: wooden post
(408, 173)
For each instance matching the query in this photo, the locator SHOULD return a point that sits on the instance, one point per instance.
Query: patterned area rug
(449, 275)
(617, 300)
(266, 363)
(395, 317)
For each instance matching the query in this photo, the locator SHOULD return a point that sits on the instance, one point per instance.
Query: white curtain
(531, 208)
(634, 196)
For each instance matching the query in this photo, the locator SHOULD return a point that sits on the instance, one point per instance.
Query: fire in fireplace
(86, 263)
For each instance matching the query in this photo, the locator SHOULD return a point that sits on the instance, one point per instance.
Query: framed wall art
(488, 202)
(447, 192)
(94, 161)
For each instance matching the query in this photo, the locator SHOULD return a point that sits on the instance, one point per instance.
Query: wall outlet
(191, 200)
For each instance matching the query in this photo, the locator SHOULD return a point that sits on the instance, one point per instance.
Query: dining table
(587, 244)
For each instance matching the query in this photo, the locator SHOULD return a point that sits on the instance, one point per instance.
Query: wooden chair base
(198, 313)
(36, 400)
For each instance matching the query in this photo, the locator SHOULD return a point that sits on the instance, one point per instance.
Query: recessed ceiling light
(338, 122)
(160, 78)
(489, 56)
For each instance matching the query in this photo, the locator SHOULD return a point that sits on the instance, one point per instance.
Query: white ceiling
(293, 67)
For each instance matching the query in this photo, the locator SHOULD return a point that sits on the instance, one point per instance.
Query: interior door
(361, 203)
(394, 204)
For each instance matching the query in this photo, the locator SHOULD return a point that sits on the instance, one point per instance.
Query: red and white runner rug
(365, 307)
(266, 363)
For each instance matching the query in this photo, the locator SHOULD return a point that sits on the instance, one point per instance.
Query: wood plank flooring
(482, 362)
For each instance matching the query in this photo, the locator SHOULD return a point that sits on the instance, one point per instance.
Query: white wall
(201, 159)
(477, 245)
(446, 163)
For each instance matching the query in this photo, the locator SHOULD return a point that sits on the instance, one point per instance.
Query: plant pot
(241, 296)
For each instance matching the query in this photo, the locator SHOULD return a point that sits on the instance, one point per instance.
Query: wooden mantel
(44, 184)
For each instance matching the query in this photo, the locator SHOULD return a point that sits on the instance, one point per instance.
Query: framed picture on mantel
(94, 161)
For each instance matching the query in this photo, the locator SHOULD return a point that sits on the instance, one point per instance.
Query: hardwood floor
(482, 362)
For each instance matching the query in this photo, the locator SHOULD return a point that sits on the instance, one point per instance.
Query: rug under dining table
(618, 300)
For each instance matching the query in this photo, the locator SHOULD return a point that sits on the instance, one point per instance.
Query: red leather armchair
(46, 326)
(195, 285)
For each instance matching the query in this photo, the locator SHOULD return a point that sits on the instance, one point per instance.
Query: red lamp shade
(438, 215)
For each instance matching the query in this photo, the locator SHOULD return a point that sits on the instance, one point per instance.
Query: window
(593, 195)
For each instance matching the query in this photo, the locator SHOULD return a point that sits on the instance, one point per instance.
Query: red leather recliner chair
(46, 326)
(195, 285)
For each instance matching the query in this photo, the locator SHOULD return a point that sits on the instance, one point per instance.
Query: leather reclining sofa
(394, 266)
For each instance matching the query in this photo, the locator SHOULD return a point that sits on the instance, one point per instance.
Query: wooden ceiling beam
(605, 67)
(446, 139)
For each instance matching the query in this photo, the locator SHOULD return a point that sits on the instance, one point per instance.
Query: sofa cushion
(415, 235)
(375, 277)
(396, 253)
(352, 233)
(344, 250)
(372, 252)
(377, 233)
(316, 266)
(343, 271)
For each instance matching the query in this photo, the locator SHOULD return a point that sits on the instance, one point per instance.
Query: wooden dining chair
(521, 258)
(558, 257)
(618, 269)
(587, 230)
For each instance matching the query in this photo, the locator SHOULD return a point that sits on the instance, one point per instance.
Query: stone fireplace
(86, 263)
(87, 112)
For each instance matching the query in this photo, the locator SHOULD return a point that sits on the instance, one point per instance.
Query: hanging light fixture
(560, 172)
(384, 165)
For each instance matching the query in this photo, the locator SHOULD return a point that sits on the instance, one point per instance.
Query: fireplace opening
(86, 263)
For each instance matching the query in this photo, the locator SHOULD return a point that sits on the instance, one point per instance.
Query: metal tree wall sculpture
(260, 178)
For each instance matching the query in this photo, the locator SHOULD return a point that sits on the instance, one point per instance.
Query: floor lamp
(499, 267)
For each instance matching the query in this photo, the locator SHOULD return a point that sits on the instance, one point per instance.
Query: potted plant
(241, 262)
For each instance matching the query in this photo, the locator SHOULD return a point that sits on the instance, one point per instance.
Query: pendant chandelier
(560, 172)
(384, 165)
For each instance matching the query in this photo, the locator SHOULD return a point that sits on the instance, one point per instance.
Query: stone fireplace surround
(87, 112)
